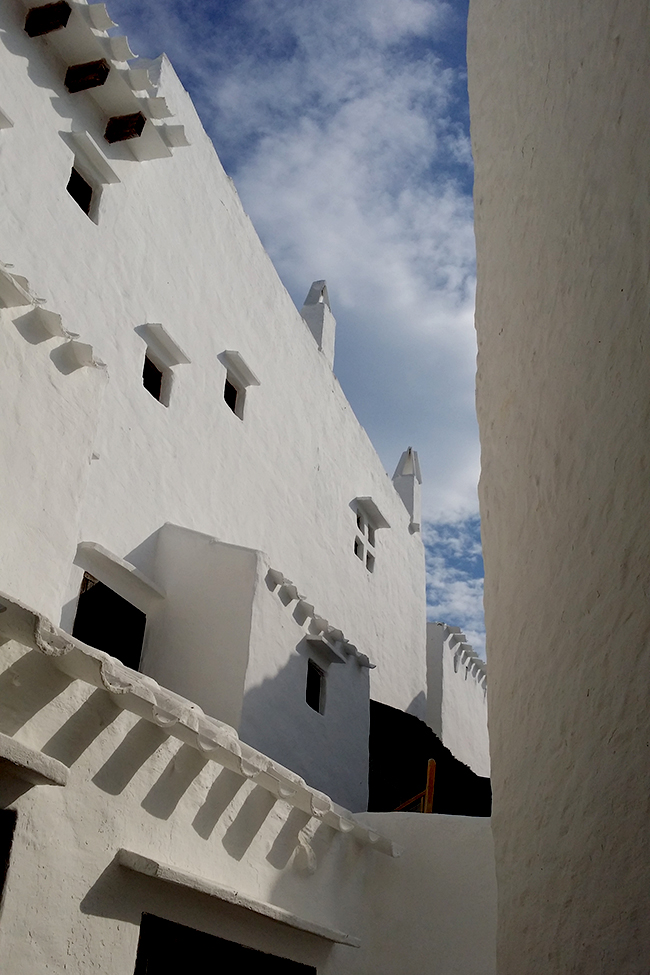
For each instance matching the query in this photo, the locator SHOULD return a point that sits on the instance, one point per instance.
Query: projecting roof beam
(43, 20)
(92, 74)
(123, 127)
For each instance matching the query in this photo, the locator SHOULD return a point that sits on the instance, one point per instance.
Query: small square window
(234, 396)
(369, 519)
(315, 691)
(80, 190)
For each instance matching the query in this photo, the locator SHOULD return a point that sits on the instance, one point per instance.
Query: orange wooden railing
(423, 801)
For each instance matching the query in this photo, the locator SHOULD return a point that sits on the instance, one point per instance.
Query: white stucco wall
(172, 245)
(198, 640)
(434, 909)
(559, 96)
(456, 697)
(127, 783)
(68, 904)
(42, 485)
(329, 749)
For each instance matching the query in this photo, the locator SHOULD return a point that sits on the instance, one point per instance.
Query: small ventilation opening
(80, 190)
(108, 622)
(358, 548)
(152, 378)
(315, 693)
(370, 562)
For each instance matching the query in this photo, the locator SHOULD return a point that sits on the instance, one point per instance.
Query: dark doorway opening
(167, 948)
(7, 827)
(108, 622)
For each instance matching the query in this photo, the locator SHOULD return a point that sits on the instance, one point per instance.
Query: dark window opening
(43, 20)
(371, 535)
(370, 562)
(92, 74)
(123, 127)
(7, 828)
(232, 396)
(152, 378)
(315, 692)
(80, 190)
(108, 622)
(358, 548)
(359, 522)
(165, 947)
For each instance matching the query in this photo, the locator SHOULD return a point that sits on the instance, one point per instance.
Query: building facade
(207, 574)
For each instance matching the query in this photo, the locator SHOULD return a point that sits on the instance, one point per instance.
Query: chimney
(317, 313)
(407, 480)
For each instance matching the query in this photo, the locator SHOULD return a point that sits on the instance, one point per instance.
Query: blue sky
(344, 124)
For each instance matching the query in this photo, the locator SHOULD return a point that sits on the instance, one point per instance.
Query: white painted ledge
(27, 763)
(190, 881)
(14, 289)
(162, 344)
(371, 510)
(86, 146)
(235, 363)
(124, 578)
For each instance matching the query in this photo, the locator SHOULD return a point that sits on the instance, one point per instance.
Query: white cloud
(454, 578)
(347, 140)
(341, 139)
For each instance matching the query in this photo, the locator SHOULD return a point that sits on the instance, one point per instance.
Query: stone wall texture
(560, 97)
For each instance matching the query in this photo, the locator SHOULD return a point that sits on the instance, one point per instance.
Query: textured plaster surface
(456, 701)
(172, 245)
(70, 906)
(559, 98)
(434, 909)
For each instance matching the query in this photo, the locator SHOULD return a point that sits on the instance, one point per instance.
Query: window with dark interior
(234, 396)
(156, 379)
(315, 691)
(80, 190)
(166, 948)
(152, 378)
(364, 541)
(7, 828)
(108, 622)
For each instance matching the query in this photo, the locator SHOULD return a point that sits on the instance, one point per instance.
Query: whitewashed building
(207, 573)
